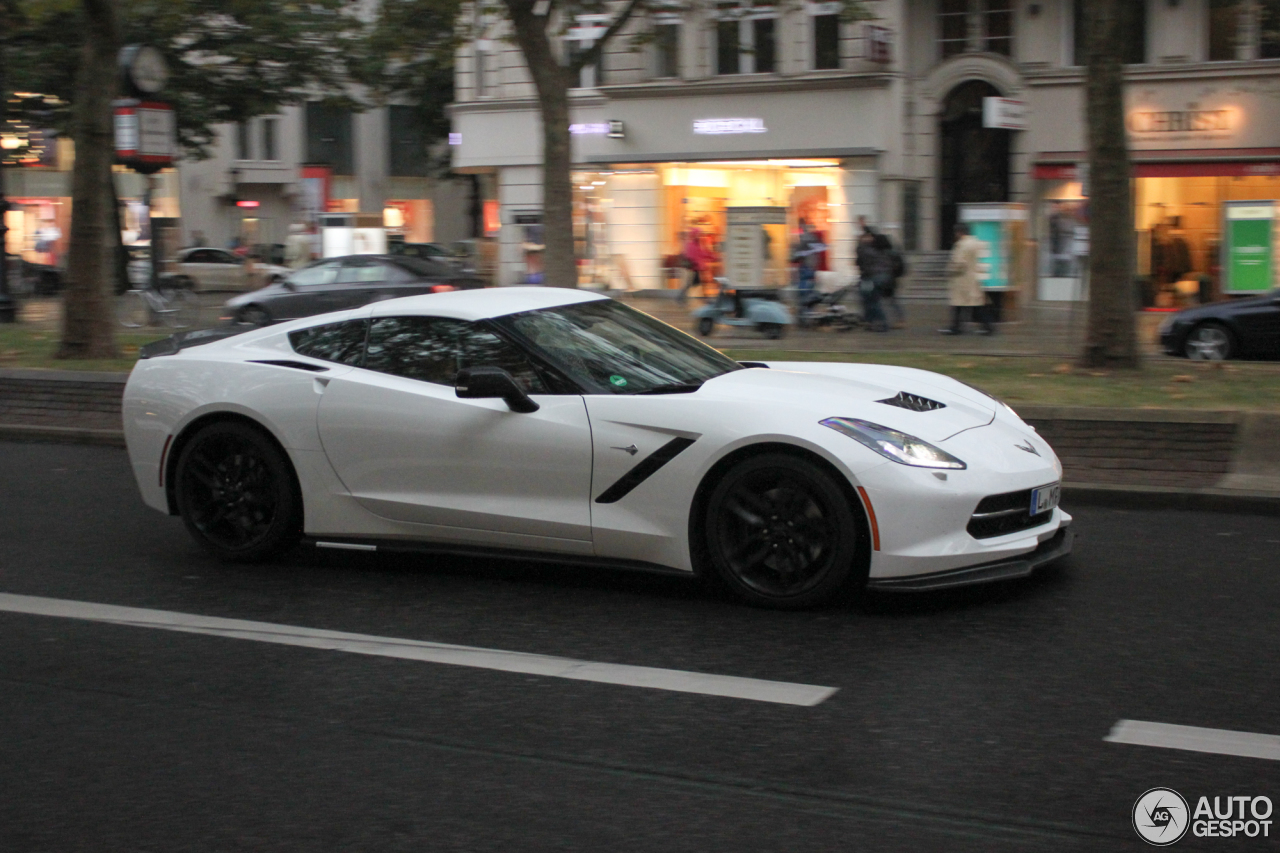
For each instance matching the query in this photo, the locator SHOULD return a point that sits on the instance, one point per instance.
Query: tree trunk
(87, 323)
(551, 80)
(1111, 339)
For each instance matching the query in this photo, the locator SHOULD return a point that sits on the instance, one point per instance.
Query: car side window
(316, 275)
(340, 342)
(362, 272)
(434, 349)
(200, 256)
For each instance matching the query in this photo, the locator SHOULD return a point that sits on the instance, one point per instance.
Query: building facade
(785, 106)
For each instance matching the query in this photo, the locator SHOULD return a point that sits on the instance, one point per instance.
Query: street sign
(1248, 246)
(1004, 113)
(146, 133)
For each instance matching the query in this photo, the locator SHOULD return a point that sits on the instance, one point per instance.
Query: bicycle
(177, 307)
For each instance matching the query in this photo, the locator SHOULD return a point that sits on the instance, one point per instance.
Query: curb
(1161, 497)
(62, 435)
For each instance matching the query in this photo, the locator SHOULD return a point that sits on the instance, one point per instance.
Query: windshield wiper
(673, 388)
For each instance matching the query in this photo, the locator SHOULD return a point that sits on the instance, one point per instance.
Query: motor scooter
(759, 308)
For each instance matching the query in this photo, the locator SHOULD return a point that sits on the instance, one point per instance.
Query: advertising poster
(1248, 238)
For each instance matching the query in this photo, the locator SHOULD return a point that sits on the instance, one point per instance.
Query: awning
(1169, 163)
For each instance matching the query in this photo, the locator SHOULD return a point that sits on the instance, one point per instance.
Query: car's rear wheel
(772, 331)
(706, 326)
(237, 494)
(779, 532)
(254, 315)
(1209, 342)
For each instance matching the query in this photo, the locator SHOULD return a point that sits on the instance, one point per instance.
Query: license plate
(1045, 498)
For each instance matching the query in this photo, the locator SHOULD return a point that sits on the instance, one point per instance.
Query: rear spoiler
(181, 340)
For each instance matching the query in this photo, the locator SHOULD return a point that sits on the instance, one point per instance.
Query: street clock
(145, 68)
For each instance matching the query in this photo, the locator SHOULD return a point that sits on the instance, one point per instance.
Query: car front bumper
(1052, 549)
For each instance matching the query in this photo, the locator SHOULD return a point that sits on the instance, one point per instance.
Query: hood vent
(913, 402)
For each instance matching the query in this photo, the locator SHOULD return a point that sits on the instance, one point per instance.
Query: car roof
(484, 303)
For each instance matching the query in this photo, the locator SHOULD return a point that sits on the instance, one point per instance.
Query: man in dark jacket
(875, 271)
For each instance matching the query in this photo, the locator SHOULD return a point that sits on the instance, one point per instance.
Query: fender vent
(296, 365)
(913, 403)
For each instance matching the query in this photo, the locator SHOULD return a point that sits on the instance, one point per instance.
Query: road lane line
(1195, 739)
(730, 686)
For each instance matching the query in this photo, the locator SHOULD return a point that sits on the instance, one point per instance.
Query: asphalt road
(964, 721)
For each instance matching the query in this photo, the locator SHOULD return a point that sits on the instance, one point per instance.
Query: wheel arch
(698, 506)
(183, 437)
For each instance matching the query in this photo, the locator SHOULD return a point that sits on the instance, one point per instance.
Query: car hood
(1214, 309)
(823, 390)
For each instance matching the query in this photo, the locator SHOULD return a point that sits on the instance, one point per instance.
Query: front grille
(913, 402)
(997, 515)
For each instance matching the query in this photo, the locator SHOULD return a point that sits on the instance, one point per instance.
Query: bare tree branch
(592, 55)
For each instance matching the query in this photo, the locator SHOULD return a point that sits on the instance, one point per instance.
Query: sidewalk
(1042, 329)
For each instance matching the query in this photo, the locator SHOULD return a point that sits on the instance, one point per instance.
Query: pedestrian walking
(874, 272)
(297, 247)
(897, 269)
(805, 254)
(965, 291)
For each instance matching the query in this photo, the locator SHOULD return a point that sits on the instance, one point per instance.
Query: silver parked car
(204, 269)
(336, 284)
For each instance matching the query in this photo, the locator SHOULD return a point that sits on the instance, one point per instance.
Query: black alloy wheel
(1209, 341)
(254, 315)
(780, 532)
(237, 494)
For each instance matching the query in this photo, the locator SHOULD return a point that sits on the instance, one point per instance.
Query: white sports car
(564, 425)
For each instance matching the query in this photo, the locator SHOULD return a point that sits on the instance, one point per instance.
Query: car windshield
(608, 347)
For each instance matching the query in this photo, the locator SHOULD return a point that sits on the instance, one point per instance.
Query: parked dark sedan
(336, 284)
(1240, 328)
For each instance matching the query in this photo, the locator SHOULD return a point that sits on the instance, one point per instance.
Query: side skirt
(395, 546)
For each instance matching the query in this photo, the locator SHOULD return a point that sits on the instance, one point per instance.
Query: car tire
(706, 326)
(779, 532)
(237, 493)
(254, 315)
(772, 331)
(1209, 342)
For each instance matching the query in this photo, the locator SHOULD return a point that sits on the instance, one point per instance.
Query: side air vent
(913, 403)
(296, 365)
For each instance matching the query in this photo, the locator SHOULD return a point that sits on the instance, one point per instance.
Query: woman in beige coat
(963, 286)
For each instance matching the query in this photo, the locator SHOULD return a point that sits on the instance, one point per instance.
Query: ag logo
(1160, 816)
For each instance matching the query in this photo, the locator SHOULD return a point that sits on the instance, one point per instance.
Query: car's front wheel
(236, 493)
(779, 532)
(1209, 342)
(254, 315)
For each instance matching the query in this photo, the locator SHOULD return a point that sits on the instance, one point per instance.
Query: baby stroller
(819, 310)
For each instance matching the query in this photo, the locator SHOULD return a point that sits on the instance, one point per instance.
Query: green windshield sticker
(620, 381)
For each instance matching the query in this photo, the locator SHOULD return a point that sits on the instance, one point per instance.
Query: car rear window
(421, 268)
(339, 342)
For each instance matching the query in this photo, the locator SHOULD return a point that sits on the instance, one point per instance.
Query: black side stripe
(646, 469)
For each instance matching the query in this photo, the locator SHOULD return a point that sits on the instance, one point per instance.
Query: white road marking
(757, 690)
(1195, 739)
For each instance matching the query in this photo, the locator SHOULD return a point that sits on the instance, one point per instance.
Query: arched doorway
(974, 159)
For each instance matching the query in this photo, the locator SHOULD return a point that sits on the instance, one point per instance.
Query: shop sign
(879, 43)
(145, 132)
(728, 126)
(595, 128)
(1248, 239)
(1004, 113)
(745, 242)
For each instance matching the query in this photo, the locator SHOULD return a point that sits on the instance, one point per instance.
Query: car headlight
(895, 445)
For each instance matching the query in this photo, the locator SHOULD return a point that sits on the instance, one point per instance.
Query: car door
(308, 291)
(226, 271)
(410, 450)
(1259, 325)
(200, 265)
(359, 282)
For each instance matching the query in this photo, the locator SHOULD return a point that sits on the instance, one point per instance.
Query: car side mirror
(478, 383)
(288, 285)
